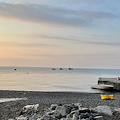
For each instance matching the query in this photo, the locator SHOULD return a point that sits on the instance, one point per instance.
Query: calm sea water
(46, 79)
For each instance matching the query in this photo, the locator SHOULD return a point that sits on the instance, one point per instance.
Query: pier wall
(110, 81)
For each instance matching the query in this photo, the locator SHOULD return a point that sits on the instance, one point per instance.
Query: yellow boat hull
(106, 97)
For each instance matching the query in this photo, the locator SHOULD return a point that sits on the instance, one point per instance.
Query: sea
(49, 80)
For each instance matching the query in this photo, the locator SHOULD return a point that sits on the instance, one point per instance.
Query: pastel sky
(60, 33)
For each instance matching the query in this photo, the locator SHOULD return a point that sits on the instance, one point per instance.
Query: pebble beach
(11, 109)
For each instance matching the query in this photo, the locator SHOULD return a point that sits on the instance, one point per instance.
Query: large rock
(103, 109)
(62, 110)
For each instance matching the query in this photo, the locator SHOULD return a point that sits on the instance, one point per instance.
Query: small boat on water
(70, 68)
(53, 69)
(61, 68)
(103, 87)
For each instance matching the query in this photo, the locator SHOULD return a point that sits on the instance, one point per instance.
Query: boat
(106, 97)
(53, 69)
(102, 87)
(70, 68)
(61, 68)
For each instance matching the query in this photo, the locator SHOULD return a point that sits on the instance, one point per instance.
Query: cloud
(84, 40)
(21, 44)
(51, 15)
(105, 43)
(72, 56)
(34, 45)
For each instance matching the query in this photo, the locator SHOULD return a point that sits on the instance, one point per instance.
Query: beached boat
(106, 97)
(102, 87)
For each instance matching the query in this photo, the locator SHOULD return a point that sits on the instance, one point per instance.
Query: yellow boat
(106, 97)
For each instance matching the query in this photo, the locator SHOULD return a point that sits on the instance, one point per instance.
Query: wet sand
(12, 109)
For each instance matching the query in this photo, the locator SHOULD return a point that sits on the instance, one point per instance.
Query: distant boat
(15, 69)
(61, 68)
(70, 68)
(53, 69)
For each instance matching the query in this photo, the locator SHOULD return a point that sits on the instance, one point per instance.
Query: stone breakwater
(73, 111)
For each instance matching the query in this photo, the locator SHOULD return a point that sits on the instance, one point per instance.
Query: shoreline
(45, 99)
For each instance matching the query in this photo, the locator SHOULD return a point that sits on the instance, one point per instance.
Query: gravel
(45, 99)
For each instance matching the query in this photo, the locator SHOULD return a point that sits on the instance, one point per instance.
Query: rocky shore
(76, 102)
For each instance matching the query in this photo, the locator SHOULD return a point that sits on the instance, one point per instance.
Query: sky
(60, 33)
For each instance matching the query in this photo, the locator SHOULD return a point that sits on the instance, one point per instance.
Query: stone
(84, 110)
(78, 104)
(39, 119)
(74, 108)
(50, 113)
(68, 107)
(22, 118)
(63, 119)
(53, 106)
(38, 116)
(98, 118)
(103, 109)
(59, 104)
(91, 118)
(75, 116)
(86, 116)
(73, 112)
(32, 118)
(70, 116)
(11, 119)
(63, 110)
(117, 110)
(57, 115)
(46, 117)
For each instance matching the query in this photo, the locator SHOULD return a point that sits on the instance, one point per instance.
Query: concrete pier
(110, 81)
